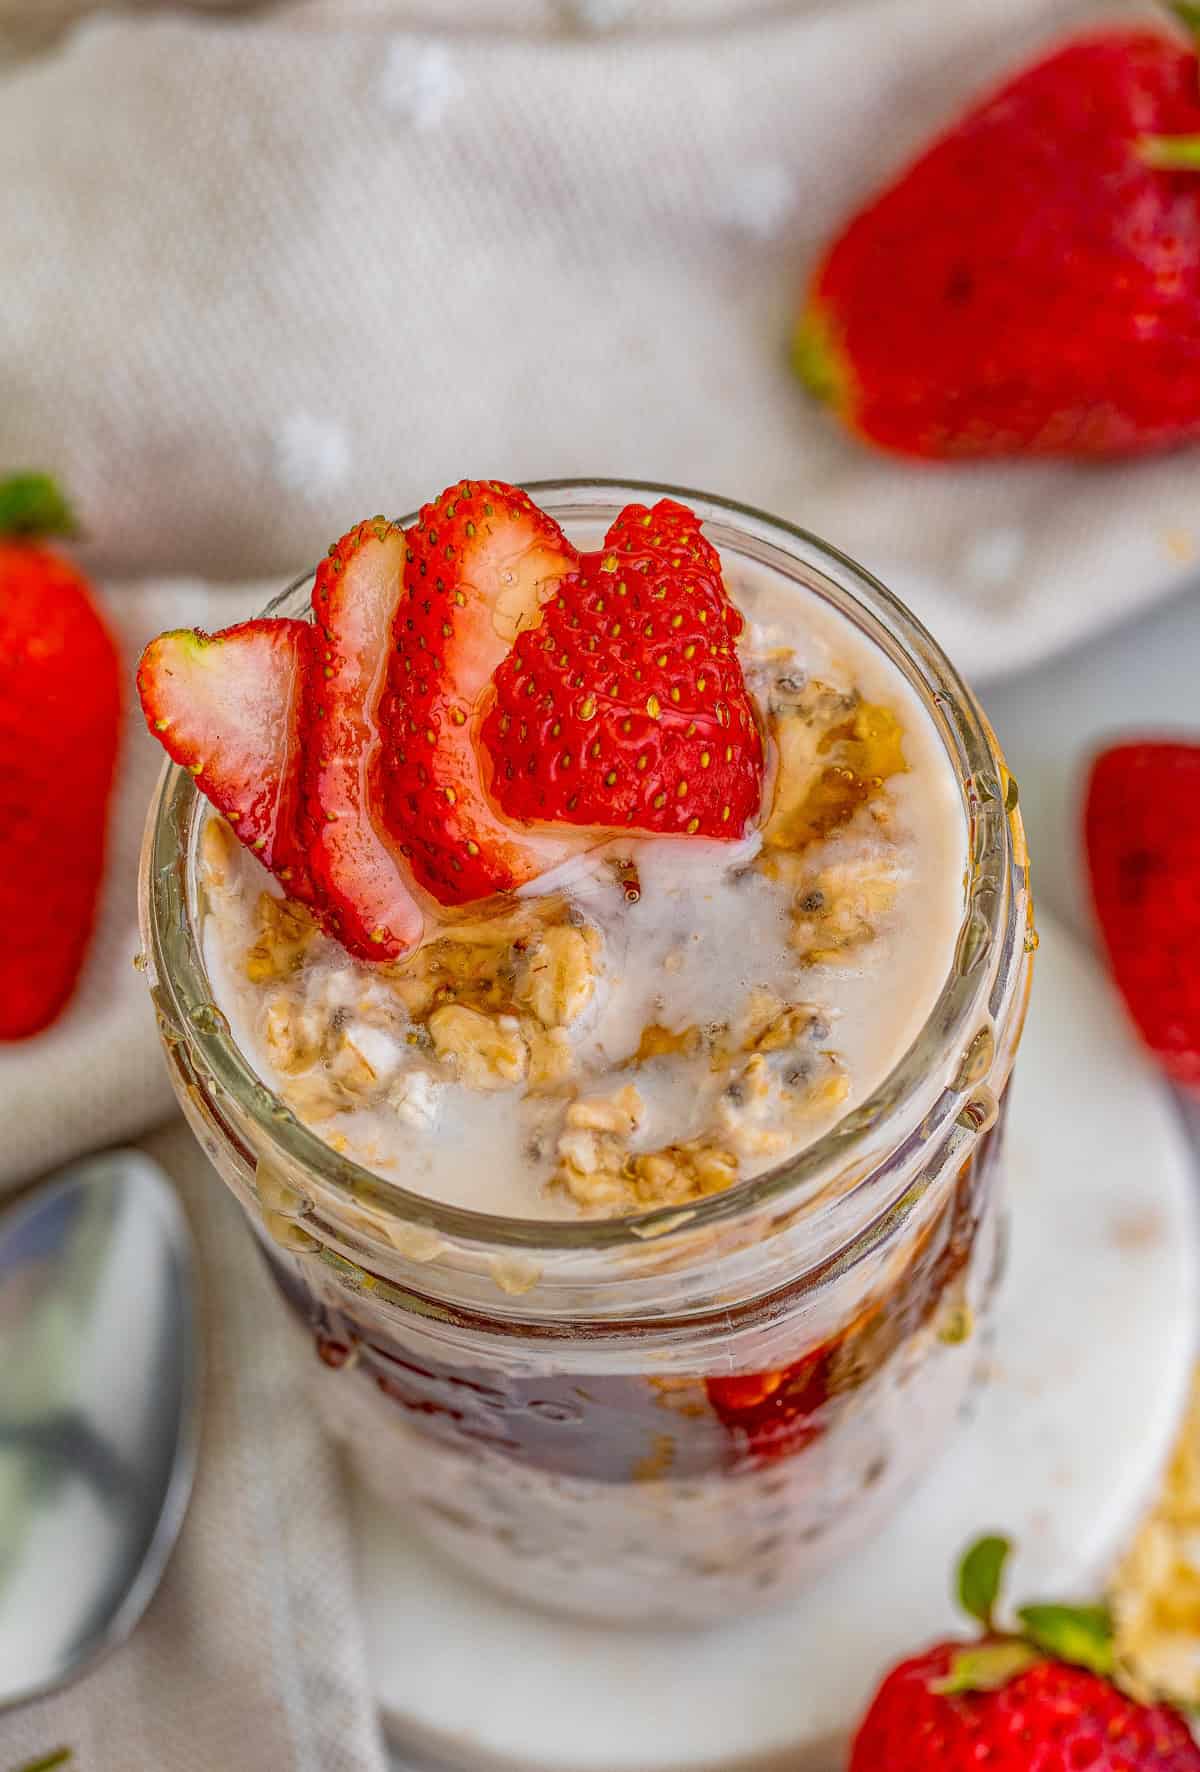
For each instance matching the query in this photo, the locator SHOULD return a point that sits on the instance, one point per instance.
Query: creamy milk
(717, 927)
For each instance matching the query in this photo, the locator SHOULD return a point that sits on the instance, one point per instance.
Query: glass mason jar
(686, 1413)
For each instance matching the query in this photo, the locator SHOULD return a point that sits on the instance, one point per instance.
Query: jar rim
(982, 979)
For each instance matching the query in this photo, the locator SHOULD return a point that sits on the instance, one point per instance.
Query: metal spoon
(99, 1375)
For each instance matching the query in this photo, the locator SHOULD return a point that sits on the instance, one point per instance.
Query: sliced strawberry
(775, 1414)
(666, 547)
(227, 707)
(354, 861)
(481, 560)
(1142, 828)
(626, 707)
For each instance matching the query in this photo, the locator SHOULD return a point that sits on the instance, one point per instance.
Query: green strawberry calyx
(987, 1667)
(819, 360)
(1175, 153)
(1188, 14)
(32, 505)
(1080, 1635)
(1170, 153)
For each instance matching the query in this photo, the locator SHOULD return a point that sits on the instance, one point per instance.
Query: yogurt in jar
(658, 1018)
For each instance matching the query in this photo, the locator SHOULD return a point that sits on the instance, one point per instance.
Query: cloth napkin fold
(270, 268)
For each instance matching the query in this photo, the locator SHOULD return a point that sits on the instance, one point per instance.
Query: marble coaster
(1095, 1334)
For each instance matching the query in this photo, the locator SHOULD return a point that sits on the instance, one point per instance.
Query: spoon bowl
(99, 1370)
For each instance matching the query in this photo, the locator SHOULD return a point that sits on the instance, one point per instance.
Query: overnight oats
(594, 957)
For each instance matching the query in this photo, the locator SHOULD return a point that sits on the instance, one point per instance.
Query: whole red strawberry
(1038, 1701)
(1049, 1718)
(1142, 831)
(1031, 284)
(626, 708)
(60, 708)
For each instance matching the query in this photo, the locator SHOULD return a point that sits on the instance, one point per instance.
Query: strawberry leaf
(986, 1668)
(979, 1577)
(1081, 1635)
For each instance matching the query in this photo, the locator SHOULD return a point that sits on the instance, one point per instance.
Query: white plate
(1095, 1334)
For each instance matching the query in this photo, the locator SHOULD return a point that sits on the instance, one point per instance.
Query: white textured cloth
(266, 274)
(270, 268)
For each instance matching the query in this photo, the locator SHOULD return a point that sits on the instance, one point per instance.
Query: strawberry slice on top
(227, 707)
(461, 683)
(480, 562)
(353, 859)
(625, 708)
